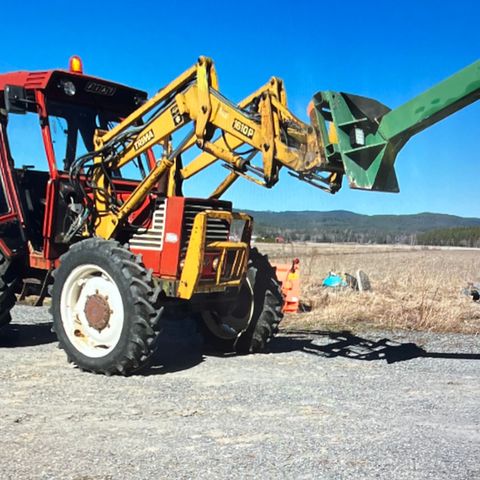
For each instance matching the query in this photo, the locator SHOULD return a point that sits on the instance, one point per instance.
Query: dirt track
(319, 406)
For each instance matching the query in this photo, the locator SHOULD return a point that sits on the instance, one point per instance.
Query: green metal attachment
(361, 137)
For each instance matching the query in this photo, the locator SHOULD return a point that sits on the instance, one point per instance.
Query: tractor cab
(48, 119)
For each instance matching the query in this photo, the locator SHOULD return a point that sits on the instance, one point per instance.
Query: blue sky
(387, 50)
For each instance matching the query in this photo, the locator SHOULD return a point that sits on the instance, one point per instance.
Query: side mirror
(15, 99)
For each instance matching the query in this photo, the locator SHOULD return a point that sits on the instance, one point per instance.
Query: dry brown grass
(412, 288)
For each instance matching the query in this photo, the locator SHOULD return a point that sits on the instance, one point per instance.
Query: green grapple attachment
(360, 137)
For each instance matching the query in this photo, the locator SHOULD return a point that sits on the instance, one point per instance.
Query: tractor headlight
(215, 263)
(69, 88)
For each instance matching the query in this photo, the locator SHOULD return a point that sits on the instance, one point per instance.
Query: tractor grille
(152, 238)
(217, 229)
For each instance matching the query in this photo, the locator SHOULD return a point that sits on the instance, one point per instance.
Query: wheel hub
(97, 311)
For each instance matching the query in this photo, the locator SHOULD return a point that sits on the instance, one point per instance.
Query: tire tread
(147, 308)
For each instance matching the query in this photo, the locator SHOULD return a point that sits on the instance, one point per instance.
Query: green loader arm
(360, 137)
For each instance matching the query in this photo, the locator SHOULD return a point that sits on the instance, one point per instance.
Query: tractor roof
(89, 90)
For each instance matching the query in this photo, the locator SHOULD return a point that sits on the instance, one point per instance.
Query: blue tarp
(334, 280)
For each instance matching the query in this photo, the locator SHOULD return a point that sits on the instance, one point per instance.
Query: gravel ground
(319, 405)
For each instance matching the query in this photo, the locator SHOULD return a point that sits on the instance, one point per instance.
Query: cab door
(12, 237)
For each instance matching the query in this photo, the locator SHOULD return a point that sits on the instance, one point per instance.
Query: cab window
(72, 128)
(26, 141)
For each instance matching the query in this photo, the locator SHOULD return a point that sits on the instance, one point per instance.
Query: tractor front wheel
(251, 319)
(105, 308)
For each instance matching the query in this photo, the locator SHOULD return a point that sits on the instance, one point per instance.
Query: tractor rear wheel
(105, 308)
(252, 318)
(8, 282)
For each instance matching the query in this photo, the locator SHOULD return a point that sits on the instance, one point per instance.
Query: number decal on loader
(239, 126)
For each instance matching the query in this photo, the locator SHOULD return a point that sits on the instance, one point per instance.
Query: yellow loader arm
(262, 121)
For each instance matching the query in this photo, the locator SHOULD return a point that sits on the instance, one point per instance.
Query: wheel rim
(91, 309)
(230, 325)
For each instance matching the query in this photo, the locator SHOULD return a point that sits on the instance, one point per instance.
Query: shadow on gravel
(173, 357)
(19, 335)
(347, 345)
(179, 347)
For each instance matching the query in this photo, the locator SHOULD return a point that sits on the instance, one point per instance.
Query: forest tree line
(452, 237)
(461, 236)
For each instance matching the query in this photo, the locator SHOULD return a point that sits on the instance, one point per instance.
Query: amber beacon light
(75, 64)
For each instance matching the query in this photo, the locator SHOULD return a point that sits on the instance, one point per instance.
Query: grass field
(413, 288)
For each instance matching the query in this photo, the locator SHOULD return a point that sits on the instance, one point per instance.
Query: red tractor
(109, 292)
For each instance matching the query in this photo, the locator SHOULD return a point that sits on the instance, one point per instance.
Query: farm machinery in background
(288, 275)
(108, 232)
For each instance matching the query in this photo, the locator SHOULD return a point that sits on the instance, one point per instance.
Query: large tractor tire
(8, 282)
(251, 319)
(105, 308)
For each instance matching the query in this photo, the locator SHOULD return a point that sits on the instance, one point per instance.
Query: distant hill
(342, 225)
